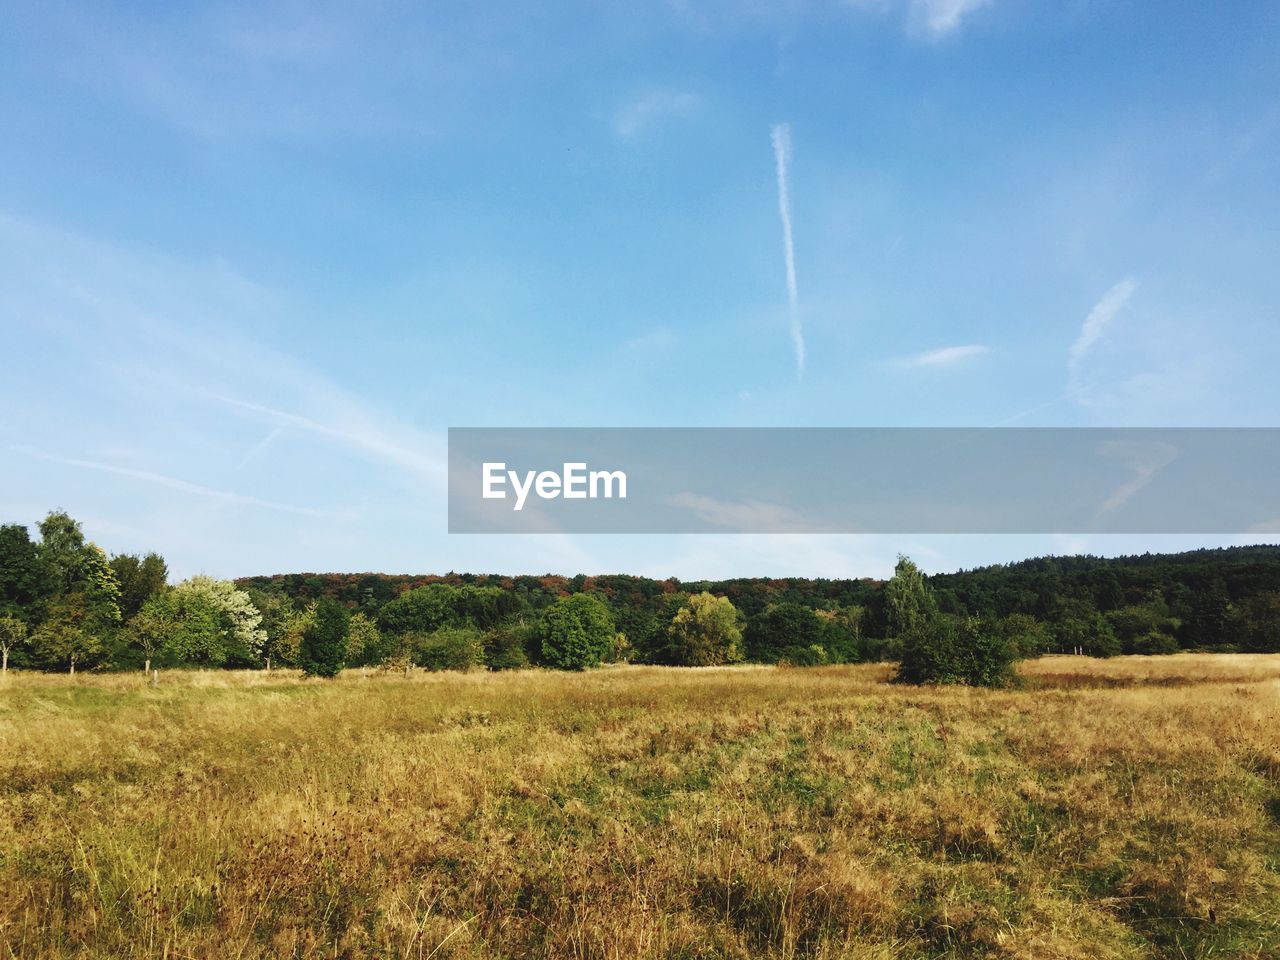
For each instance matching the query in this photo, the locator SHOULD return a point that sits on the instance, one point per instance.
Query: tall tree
(908, 600)
(140, 578)
(152, 626)
(24, 583)
(99, 590)
(324, 643)
(62, 548)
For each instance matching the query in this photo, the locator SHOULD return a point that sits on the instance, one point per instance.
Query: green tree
(140, 578)
(1077, 626)
(13, 634)
(577, 632)
(24, 580)
(1144, 628)
(705, 632)
(152, 626)
(421, 610)
(783, 631)
(1209, 621)
(1027, 635)
(243, 636)
(908, 600)
(947, 648)
(324, 642)
(840, 634)
(62, 549)
(199, 632)
(1257, 623)
(504, 647)
(449, 648)
(364, 641)
(64, 640)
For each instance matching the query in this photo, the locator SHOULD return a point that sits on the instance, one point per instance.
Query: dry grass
(1115, 809)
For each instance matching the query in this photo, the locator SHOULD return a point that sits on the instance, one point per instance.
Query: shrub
(1155, 642)
(323, 650)
(577, 632)
(814, 655)
(504, 648)
(449, 648)
(953, 649)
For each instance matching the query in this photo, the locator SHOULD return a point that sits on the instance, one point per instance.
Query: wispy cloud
(948, 356)
(754, 515)
(1095, 327)
(365, 438)
(160, 479)
(180, 322)
(782, 160)
(652, 108)
(938, 18)
(253, 452)
(1144, 459)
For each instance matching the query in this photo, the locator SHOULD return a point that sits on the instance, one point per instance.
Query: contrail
(782, 156)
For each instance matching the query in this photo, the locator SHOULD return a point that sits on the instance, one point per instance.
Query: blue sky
(255, 258)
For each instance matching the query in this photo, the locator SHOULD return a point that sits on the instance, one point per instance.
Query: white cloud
(755, 515)
(781, 135)
(937, 18)
(652, 108)
(1094, 328)
(948, 356)
(160, 479)
(1145, 460)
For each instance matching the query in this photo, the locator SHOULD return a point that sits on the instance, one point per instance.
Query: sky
(256, 258)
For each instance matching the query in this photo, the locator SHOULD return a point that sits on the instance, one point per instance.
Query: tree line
(66, 605)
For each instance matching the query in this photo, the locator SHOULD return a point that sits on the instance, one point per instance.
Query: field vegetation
(1121, 808)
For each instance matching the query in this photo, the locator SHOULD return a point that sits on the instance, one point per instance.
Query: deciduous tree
(324, 642)
(13, 633)
(577, 632)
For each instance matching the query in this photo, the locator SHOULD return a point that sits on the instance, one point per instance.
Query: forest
(67, 605)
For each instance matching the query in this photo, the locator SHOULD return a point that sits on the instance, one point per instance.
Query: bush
(323, 650)
(814, 655)
(504, 649)
(952, 649)
(449, 648)
(1154, 643)
(577, 632)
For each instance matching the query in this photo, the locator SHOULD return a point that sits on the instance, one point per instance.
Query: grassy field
(1124, 808)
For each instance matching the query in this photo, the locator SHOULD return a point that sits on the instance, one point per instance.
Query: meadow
(1122, 808)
